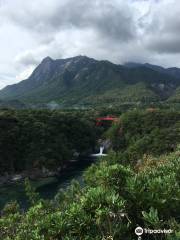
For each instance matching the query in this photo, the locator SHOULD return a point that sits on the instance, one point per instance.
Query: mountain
(14, 104)
(83, 81)
(173, 71)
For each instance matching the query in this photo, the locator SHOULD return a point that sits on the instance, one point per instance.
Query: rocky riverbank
(33, 174)
(36, 174)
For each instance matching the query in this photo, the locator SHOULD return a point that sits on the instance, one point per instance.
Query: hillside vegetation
(119, 195)
(86, 82)
(145, 132)
(32, 139)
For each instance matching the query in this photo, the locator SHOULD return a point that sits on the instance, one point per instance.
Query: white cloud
(25, 74)
(117, 30)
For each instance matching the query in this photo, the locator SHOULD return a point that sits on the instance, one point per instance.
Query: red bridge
(101, 120)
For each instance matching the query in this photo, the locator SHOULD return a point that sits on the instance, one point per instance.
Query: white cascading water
(100, 154)
(101, 150)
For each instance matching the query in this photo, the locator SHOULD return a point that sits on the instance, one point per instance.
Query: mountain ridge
(85, 81)
(173, 71)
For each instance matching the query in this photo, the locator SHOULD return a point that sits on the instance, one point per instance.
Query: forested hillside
(35, 139)
(85, 82)
(145, 132)
(137, 184)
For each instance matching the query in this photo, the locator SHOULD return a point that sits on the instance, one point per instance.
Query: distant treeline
(32, 139)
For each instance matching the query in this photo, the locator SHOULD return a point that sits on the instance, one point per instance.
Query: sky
(116, 30)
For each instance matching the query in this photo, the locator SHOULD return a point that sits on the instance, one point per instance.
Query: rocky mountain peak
(82, 80)
(47, 59)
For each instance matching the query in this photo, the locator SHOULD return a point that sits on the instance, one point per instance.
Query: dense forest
(137, 184)
(34, 139)
(145, 132)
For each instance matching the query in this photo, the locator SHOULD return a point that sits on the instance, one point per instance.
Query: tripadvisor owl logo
(139, 231)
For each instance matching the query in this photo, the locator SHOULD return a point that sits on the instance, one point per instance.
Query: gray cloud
(166, 44)
(26, 59)
(105, 17)
(5, 79)
(116, 30)
(91, 25)
(163, 30)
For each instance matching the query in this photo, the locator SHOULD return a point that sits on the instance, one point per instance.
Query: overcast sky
(116, 30)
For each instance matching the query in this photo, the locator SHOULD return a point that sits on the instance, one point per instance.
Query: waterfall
(100, 154)
(101, 150)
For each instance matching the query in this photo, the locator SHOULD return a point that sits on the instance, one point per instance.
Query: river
(46, 187)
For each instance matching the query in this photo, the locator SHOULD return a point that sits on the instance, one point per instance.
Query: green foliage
(109, 176)
(151, 218)
(116, 202)
(117, 196)
(32, 139)
(145, 132)
(11, 208)
(31, 194)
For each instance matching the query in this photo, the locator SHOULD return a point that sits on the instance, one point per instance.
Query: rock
(76, 154)
(16, 177)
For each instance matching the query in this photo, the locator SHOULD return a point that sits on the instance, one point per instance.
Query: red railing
(101, 120)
